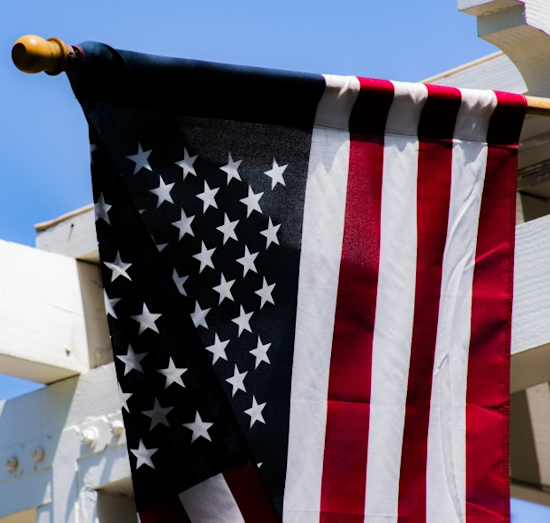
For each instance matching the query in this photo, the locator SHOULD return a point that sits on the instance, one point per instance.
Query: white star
(276, 174)
(247, 261)
(146, 320)
(205, 257)
(187, 164)
(228, 229)
(231, 169)
(184, 225)
(132, 361)
(243, 321)
(172, 374)
(102, 209)
(157, 415)
(265, 293)
(124, 397)
(271, 233)
(237, 381)
(260, 352)
(218, 349)
(143, 455)
(199, 316)
(162, 192)
(161, 246)
(255, 412)
(199, 428)
(251, 201)
(208, 197)
(110, 304)
(179, 281)
(93, 148)
(140, 159)
(224, 289)
(118, 267)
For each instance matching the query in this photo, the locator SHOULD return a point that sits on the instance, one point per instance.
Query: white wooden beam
(43, 330)
(72, 234)
(484, 7)
(531, 312)
(71, 469)
(521, 28)
(532, 493)
(495, 71)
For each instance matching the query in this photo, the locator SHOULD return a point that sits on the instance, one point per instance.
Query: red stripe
(166, 512)
(345, 458)
(251, 495)
(487, 398)
(433, 198)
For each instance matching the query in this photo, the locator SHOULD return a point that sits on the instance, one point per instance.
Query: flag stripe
(317, 286)
(445, 497)
(395, 303)
(487, 486)
(250, 495)
(211, 502)
(434, 184)
(345, 459)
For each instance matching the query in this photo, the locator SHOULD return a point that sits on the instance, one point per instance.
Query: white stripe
(446, 474)
(317, 286)
(394, 304)
(211, 502)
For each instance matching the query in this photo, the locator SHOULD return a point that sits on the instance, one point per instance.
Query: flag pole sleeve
(33, 54)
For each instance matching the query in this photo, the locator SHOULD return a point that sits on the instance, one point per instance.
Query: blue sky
(43, 135)
(44, 157)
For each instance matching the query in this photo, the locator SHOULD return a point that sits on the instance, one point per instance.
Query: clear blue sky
(43, 135)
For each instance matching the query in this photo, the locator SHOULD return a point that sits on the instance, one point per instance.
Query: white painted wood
(42, 328)
(55, 418)
(530, 493)
(531, 313)
(97, 329)
(72, 234)
(484, 7)
(115, 508)
(521, 29)
(495, 71)
(538, 399)
(28, 516)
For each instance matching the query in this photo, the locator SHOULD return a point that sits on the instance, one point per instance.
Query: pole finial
(33, 54)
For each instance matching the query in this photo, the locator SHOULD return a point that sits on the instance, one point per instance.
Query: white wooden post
(521, 29)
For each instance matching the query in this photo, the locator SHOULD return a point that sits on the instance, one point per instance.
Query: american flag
(309, 307)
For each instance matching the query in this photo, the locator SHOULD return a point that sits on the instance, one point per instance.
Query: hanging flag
(308, 283)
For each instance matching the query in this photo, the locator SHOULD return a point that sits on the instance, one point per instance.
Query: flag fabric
(308, 284)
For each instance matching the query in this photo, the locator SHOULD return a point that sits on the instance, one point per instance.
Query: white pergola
(62, 448)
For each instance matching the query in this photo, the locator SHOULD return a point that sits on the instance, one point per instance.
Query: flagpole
(33, 54)
(538, 106)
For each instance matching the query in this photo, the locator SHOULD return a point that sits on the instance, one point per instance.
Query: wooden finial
(32, 54)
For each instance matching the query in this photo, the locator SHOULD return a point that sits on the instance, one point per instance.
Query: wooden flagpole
(33, 54)
(538, 106)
